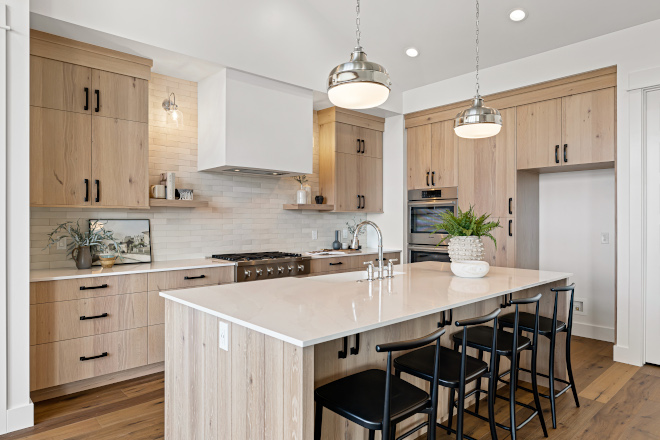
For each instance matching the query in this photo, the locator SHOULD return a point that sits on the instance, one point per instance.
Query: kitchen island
(242, 360)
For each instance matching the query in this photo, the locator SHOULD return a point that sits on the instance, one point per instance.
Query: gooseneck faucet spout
(380, 243)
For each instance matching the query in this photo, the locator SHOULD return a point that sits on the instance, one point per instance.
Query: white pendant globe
(477, 131)
(478, 121)
(358, 95)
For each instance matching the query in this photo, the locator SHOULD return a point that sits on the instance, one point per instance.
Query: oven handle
(433, 203)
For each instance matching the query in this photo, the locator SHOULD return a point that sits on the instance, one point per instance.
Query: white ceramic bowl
(470, 269)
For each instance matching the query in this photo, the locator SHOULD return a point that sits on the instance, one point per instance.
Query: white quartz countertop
(334, 254)
(309, 311)
(124, 269)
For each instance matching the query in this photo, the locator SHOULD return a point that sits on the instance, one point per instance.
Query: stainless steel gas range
(253, 266)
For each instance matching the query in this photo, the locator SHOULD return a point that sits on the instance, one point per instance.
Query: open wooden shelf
(312, 207)
(178, 203)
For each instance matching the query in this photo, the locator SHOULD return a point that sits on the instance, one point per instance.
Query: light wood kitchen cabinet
(572, 130)
(487, 170)
(60, 86)
(432, 156)
(588, 125)
(60, 152)
(504, 254)
(120, 96)
(120, 163)
(350, 160)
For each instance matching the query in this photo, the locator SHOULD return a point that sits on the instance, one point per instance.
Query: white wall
(575, 208)
(19, 412)
(391, 221)
(631, 50)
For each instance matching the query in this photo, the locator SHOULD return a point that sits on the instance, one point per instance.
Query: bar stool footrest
(562, 391)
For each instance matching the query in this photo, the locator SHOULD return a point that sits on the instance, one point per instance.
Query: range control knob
(248, 273)
(259, 272)
(290, 268)
(280, 269)
(269, 270)
(301, 267)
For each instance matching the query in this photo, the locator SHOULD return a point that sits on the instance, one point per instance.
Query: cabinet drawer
(69, 361)
(181, 279)
(156, 343)
(335, 264)
(59, 321)
(81, 288)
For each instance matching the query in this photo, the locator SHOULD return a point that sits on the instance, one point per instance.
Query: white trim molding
(20, 417)
(592, 331)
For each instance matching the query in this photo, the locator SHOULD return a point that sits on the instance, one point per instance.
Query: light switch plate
(344, 233)
(62, 243)
(223, 335)
(604, 238)
(315, 234)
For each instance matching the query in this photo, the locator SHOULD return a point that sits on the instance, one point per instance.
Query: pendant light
(358, 83)
(478, 121)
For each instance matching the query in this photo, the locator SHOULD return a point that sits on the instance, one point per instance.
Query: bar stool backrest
(569, 324)
(517, 302)
(409, 345)
(466, 323)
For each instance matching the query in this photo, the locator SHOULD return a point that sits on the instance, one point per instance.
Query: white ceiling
(300, 41)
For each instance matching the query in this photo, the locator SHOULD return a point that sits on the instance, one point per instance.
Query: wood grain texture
(504, 254)
(60, 86)
(346, 182)
(538, 135)
(347, 138)
(66, 290)
(176, 279)
(373, 142)
(419, 156)
(58, 321)
(156, 343)
(588, 127)
(351, 117)
(370, 183)
(120, 96)
(609, 383)
(444, 154)
(60, 157)
(120, 161)
(59, 362)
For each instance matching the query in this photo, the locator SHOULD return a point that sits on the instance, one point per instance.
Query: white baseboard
(594, 332)
(20, 417)
(627, 356)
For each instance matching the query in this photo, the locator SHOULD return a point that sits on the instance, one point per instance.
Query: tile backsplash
(244, 214)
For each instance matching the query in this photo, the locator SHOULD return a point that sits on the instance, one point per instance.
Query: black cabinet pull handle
(363, 202)
(86, 190)
(556, 153)
(86, 99)
(510, 205)
(427, 178)
(384, 259)
(510, 231)
(102, 355)
(358, 144)
(194, 278)
(358, 207)
(343, 353)
(362, 146)
(356, 348)
(84, 318)
(336, 264)
(433, 178)
(98, 101)
(98, 191)
(102, 286)
(565, 155)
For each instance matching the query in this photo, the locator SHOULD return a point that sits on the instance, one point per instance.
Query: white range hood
(254, 125)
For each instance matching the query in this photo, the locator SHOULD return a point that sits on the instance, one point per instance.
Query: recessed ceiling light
(237, 170)
(412, 52)
(517, 14)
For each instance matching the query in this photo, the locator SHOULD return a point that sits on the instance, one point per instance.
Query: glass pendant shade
(478, 121)
(176, 116)
(358, 83)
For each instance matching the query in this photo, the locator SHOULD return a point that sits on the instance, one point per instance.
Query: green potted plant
(464, 232)
(82, 241)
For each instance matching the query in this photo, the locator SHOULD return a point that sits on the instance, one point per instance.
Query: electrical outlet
(344, 233)
(62, 244)
(315, 234)
(604, 238)
(223, 335)
(579, 306)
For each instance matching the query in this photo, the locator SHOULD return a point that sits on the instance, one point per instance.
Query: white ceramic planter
(466, 249)
(470, 269)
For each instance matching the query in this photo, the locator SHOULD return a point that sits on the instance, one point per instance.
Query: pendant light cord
(358, 34)
(477, 45)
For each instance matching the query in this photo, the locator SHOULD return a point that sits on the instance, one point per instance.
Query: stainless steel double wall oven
(424, 209)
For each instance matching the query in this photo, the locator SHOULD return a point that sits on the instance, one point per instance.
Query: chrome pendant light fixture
(358, 83)
(478, 121)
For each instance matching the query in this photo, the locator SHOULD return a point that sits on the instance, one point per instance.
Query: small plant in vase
(466, 249)
(351, 230)
(301, 195)
(82, 241)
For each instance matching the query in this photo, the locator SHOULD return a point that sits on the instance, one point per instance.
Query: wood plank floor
(617, 402)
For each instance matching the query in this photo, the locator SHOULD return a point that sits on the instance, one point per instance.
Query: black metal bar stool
(377, 400)
(458, 369)
(550, 327)
(509, 345)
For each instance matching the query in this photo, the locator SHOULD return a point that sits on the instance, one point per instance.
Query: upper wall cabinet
(351, 160)
(432, 156)
(89, 141)
(573, 130)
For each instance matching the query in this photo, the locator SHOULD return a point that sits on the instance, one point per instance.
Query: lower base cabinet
(349, 263)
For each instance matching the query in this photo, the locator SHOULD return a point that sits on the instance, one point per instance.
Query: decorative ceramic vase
(107, 261)
(470, 269)
(301, 196)
(83, 257)
(308, 192)
(357, 245)
(466, 249)
(336, 244)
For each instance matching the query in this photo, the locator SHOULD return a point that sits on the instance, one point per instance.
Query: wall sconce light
(172, 110)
